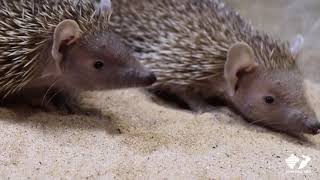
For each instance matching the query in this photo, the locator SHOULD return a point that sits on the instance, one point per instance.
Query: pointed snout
(149, 78)
(314, 127)
(141, 77)
(307, 122)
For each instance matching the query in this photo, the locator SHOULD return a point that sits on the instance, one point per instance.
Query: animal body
(52, 49)
(203, 49)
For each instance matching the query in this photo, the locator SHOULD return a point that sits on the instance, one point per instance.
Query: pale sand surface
(136, 138)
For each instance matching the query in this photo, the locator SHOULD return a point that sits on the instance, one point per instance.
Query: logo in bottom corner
(298, 164)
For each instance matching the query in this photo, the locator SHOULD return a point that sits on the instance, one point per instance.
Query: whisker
(54, 95)
(266, 123)
(71, 95)
(255, 122)
(50, 87)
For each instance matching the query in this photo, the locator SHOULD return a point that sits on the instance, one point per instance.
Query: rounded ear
(240, 58)
(66, 33)
(297, 45)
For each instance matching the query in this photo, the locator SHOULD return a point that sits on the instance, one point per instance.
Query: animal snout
(150, 78)
(141, 77)
(308, 123)
(314, 127)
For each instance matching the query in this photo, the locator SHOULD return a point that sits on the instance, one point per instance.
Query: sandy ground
(137, 138)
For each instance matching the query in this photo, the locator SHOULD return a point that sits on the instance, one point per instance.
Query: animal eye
(268, 99)
(98, 65)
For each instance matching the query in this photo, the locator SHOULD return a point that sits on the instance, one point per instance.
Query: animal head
(95, 61)
(274, 98)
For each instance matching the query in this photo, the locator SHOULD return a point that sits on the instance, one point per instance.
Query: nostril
(318, 128)
(315, 128)
(151, 78)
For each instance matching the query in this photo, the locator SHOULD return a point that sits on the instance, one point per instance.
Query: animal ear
(66, 33)
(240, 58)
(297, 45)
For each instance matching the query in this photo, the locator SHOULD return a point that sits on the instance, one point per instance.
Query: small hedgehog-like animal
(202, 50)
(51, 49)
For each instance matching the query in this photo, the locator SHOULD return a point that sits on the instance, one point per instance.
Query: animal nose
(151, 78)
(315, 127)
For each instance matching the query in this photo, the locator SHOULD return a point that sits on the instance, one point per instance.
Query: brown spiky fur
(186, 41)
(26, 30)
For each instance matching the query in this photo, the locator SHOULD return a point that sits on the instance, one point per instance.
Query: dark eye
(268, 99)
(98, 65)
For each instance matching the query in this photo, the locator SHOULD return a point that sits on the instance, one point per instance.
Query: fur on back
(186, 41)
